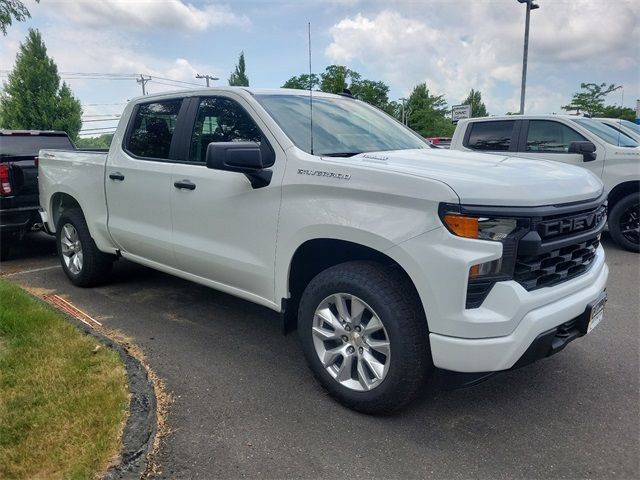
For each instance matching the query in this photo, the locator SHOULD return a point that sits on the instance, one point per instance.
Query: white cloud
(479, 46)
(147, 14)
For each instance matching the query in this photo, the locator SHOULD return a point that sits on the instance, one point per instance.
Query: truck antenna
(310, 89)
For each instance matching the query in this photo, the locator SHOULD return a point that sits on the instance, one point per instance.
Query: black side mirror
(242, 157)
(586, 149)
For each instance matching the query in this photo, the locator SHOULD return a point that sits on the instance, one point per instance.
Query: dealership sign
(460, 112)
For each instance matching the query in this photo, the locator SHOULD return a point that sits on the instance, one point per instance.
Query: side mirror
(586, 149)
(241, 157)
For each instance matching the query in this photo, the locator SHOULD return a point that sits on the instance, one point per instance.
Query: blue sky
(453, 45)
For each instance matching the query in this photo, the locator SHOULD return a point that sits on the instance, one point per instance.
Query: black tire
(626, 213)
(392, 297)
(96, 265)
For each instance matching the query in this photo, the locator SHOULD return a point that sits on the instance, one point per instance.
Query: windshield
(630, 125)
(19, 145)
(606, 133)
(341, 126)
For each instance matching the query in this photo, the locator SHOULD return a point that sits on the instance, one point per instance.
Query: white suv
(586, 142)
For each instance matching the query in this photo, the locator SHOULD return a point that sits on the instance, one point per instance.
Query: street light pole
(530, 6)
(404, 120)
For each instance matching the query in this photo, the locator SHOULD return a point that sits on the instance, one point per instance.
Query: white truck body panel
(241, 240)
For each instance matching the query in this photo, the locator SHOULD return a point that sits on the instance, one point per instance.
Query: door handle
(185, 185)
(116, 176)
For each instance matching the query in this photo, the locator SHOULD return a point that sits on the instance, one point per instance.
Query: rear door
(138, 181)
(223, 229)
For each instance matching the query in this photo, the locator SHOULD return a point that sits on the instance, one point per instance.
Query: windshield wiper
(340, 154)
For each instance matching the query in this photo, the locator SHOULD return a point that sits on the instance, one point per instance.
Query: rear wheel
(364, 336)
(81, 260)
(624, 222)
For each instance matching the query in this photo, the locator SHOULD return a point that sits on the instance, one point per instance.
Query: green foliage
(478, 109)
(239, 77)
(374, 93)
(11, 10)
(427, 113)
(103, 141)
(614, 111)
(301, 82)
(33, 98)
(336, 78)
(591, 99)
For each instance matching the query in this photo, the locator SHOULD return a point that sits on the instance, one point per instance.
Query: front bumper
(504, 352)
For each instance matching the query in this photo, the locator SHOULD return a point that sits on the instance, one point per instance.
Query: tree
(374, 93)
(427, 113)
(33, 98)
(614, 111)
(302, 82)
(102, 141)
(478, 108)
(11, 10)
(591, 99)
(239, 77)
(334, 78)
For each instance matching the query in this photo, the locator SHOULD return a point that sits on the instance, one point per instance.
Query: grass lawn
(63, 401)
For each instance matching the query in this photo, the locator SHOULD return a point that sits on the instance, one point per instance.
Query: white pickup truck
(607, 151)
(394, 260)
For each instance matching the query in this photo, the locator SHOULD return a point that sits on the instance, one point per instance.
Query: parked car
(441, 142)
(582, 141)
(19, 181)
(392, 258)
(624, 127)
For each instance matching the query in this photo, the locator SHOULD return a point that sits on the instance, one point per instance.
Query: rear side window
(152, 129)
(493, 136)
(550, 136)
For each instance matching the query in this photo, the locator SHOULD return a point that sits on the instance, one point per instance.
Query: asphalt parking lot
(247, 406)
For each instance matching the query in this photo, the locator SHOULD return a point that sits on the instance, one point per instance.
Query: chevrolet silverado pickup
(397, 263)
(19, 181)
(587, 142)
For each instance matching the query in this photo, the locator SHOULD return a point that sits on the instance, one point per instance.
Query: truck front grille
(556, 266)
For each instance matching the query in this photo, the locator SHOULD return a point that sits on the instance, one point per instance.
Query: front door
(550, 140)
(223, 229)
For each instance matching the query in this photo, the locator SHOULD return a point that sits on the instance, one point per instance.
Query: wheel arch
(59, 202)
(315, 255)
(622, 190)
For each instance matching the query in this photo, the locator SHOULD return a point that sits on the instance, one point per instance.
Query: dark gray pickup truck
(19, 180)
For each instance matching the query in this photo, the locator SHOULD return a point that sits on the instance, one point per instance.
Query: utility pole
(143, 81)
(530, 6)
(207, 78)
(404, 120)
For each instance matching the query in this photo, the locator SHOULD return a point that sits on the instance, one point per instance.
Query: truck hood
(484, 179)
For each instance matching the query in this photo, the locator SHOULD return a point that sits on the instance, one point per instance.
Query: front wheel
(81, 260)
(624, 222)
(365, 337)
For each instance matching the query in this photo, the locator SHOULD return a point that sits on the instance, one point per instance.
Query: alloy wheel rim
(351, 342)
(71, 249)
(630, 223)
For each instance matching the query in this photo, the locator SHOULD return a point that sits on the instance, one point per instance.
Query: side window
(152, 129)
(550, 136)
(220, 120)
(492, 136)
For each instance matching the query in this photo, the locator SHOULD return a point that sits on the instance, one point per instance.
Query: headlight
(482, 228)
(463, 222)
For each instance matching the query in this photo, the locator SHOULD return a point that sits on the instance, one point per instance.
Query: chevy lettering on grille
(576, 223)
